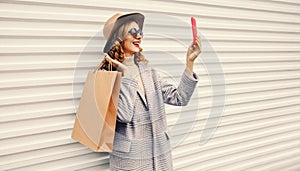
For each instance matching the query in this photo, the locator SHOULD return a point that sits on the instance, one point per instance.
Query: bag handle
(110, 65)
(101, 64)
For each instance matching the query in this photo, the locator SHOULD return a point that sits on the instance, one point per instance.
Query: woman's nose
(139, 36)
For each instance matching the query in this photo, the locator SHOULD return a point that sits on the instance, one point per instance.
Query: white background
(256, 42)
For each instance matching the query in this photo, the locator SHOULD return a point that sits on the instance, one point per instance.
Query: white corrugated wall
(47, 47)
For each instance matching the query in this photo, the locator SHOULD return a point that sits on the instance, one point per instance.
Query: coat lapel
(143, 98)
(147, 82)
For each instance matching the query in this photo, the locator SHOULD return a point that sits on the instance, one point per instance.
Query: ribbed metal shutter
(255, 45)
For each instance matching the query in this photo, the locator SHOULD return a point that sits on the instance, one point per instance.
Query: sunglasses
(135, 32)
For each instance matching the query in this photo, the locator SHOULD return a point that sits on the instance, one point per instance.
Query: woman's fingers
(194, 49)
(197, 47)
(198, 42)
(114, 62)
(109, 59)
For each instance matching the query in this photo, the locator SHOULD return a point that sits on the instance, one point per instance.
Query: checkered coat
(142, 142)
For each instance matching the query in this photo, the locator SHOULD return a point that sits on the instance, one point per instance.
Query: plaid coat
(142, 142)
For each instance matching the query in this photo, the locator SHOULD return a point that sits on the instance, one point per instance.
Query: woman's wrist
(190, 67)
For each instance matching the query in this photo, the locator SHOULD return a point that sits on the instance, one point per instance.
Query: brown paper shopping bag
(96, 116)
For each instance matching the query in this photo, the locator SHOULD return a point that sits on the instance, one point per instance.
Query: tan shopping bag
(96, 116)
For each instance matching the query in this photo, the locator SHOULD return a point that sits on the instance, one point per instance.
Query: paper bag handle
(101, 64)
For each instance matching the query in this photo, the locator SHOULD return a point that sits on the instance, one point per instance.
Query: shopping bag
(96, 116)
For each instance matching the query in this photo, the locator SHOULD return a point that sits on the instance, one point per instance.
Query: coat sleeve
(181, 95)
(126, 99)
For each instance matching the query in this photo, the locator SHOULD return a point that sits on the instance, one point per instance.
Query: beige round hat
(113, 24)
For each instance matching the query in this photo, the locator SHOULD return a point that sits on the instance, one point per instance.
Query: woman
(142, 141)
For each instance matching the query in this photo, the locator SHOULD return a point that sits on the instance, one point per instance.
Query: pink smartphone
(194, 29)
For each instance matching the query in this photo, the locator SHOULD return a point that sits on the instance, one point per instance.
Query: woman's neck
(129, 60)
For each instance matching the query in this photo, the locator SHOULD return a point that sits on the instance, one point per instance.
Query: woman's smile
(136, 43)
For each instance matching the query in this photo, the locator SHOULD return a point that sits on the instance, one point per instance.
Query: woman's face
(132, 42)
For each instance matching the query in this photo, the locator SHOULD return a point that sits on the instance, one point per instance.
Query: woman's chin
(136, 50)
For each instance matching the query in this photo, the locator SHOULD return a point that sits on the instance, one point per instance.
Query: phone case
(194, 29)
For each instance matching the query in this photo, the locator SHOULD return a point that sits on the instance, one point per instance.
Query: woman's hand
(194, 50)
(121, 67)
(192, 53)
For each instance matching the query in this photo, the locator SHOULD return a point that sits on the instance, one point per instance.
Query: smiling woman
(133, 39)
(141, 138)
(124, 35)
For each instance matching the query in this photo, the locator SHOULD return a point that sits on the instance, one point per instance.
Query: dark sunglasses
(135, 32)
